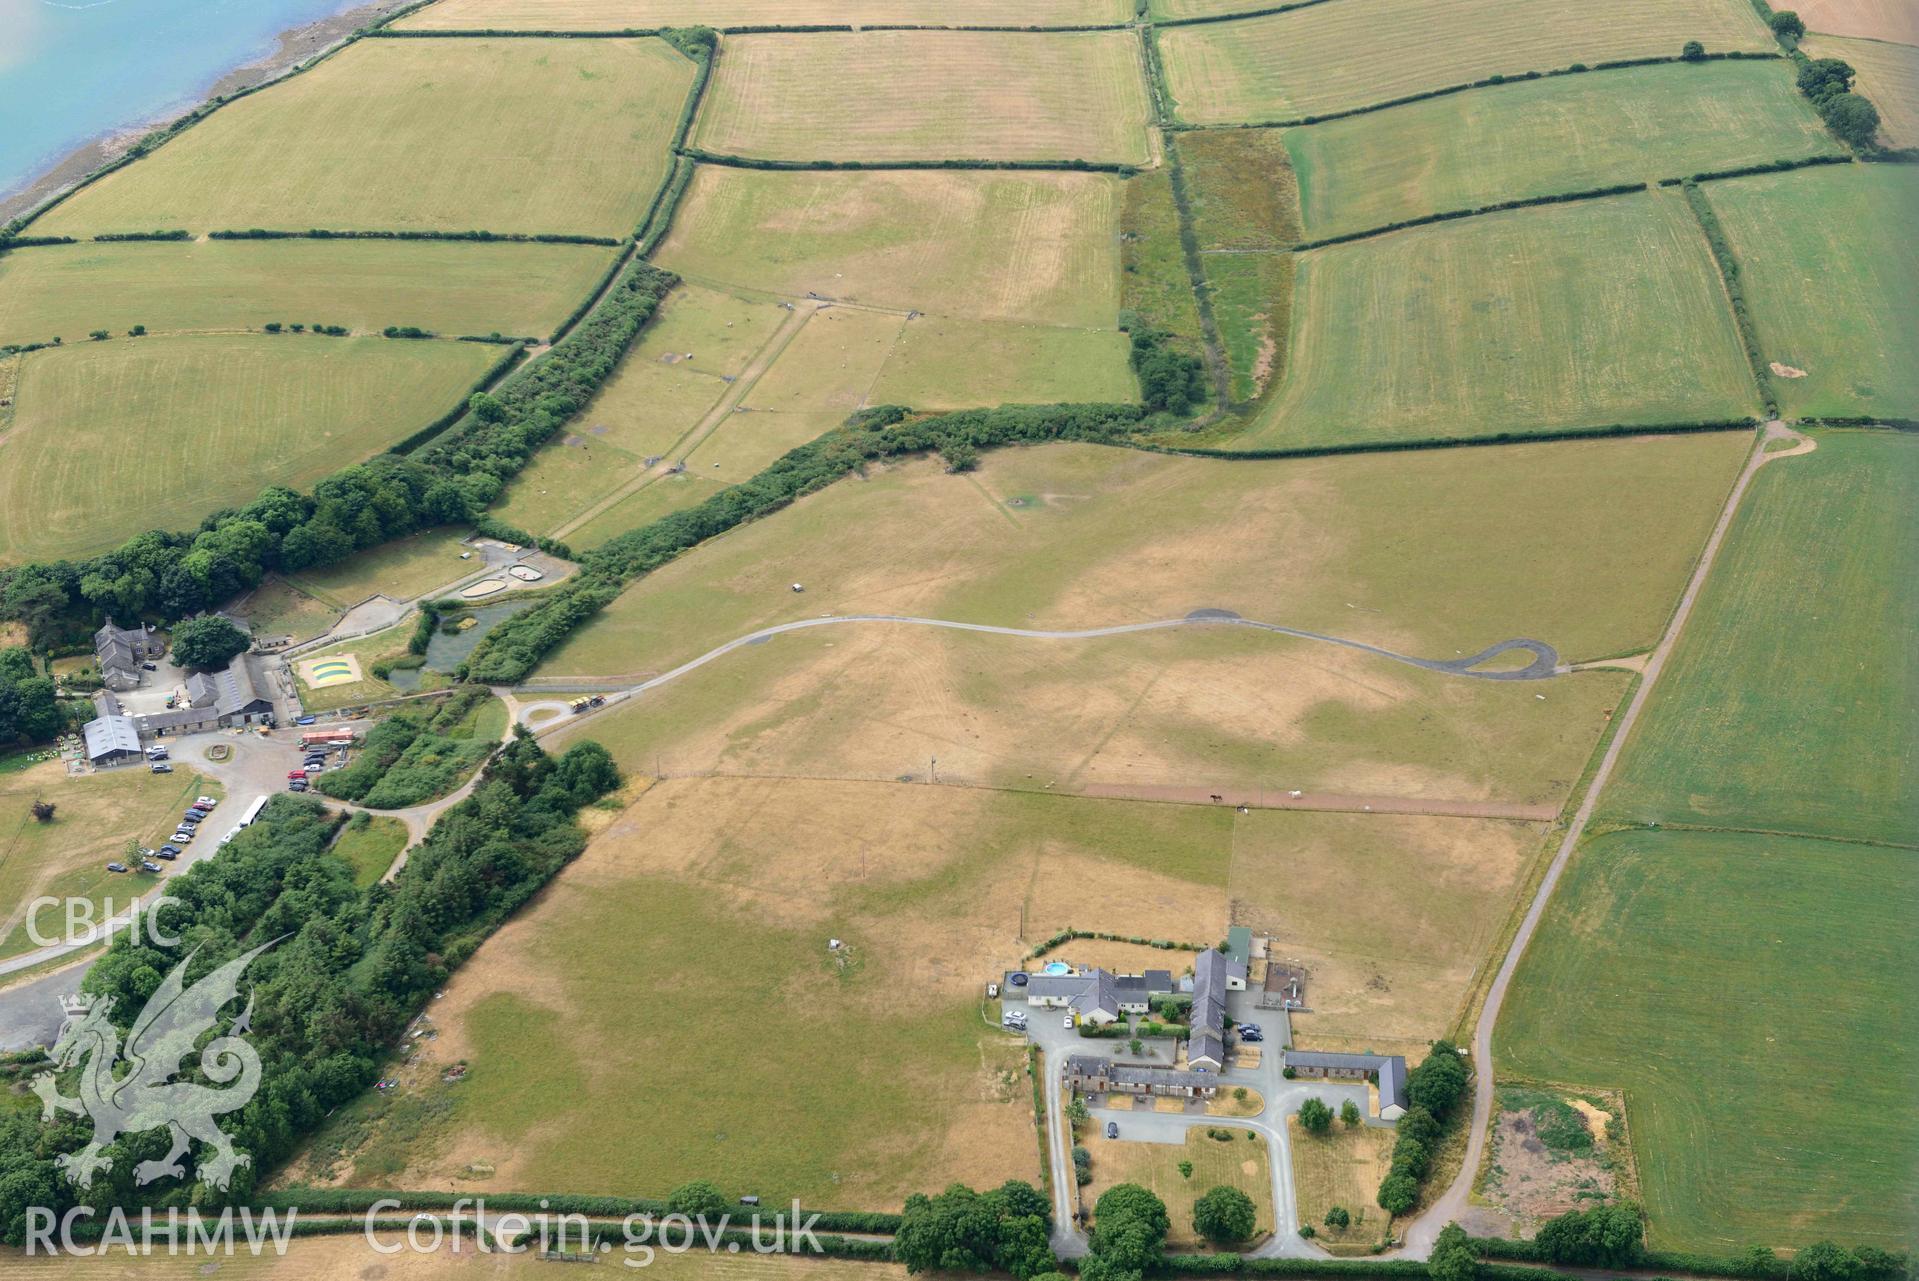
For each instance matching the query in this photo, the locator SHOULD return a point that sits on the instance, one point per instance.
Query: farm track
(1544, 666)
(735, 393)
(1454, 1201)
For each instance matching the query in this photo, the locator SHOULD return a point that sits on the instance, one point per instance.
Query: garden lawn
(1788, 704)
(620, 15)
(1581, 315)
(929, 95)
(173, 429)
(446, 287)
(1831, 274)
(1356, 53)
(1239, 1161)
(1706, 972)
(1546, 137)
(1033, 247)
(523, 135)
(1343, 1167)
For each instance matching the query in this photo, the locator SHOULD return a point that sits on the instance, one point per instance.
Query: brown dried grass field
(1035, 247)
(1356, 53)
(1895, 20)
(623, 15)
(929, 95)
(1073, 536)
(710, 1032)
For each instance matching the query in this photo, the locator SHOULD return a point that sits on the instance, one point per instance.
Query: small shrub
(1693, 52)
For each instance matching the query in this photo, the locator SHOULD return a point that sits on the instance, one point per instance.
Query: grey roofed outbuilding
(202, 691)
(1088, 1065)
(1389, 1069)
(1151, 983)
(110, 736)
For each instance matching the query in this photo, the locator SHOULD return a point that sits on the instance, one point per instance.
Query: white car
(1069, 1022)
(205, 803)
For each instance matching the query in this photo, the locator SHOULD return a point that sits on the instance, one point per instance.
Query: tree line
(164, 576)
(330, 1001)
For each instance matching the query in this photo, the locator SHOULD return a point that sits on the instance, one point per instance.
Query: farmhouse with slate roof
(121, 651)
(1097, 996)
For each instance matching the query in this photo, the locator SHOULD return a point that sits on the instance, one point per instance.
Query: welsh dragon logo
(144, 1096)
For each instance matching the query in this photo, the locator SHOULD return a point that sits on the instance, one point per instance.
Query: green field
(502, 135)
(1356, 53)
(1073, 536)
(154, 433)
(369, 844)
(1753, 997)
(402, 569)
(929, 95)
(664, 496)
(1788, 707)
(1587, 314)
(1245, 206)
(1888, 75)
(943, 363)
(1543, 137)
(1032, 247)
(1831, 272)
(690, 357)
(620, 15)
(1154, 284)
(450, 288)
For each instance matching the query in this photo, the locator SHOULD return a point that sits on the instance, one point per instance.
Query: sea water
(75, 70)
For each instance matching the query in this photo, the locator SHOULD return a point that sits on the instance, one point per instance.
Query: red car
(297, 773)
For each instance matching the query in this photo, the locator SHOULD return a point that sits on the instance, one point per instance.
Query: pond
(447, 650)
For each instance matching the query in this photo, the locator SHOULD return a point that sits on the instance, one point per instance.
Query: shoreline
(296, 45)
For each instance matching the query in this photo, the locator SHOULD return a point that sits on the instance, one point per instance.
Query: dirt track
(1336, 802)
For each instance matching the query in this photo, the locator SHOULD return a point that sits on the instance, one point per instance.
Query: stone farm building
(1214, 975)
(216, 700)
(1090, 1074)
(1386, 1072)
(121, 651)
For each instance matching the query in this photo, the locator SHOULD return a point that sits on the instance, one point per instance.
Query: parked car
(1112, 1129)
(156, 753)
(150, 667)
(161, 767)
(149, 866)
(1069, 1022)
(184, 835)
(116, 867)
(1250, 1032)
(305, 720)
(296, 773)
(166, 852)
(205, 802)
(297, 785)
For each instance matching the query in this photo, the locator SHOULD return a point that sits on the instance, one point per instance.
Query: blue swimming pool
(1057, 967)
